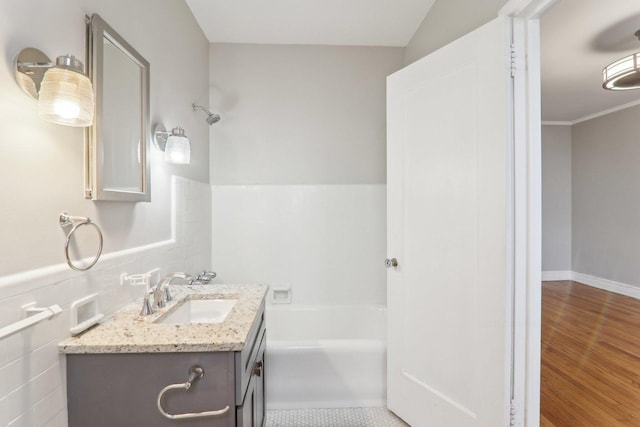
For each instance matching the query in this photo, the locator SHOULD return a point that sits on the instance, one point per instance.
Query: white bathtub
(325, 357)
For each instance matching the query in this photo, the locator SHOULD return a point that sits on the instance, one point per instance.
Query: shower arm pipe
(200, 107)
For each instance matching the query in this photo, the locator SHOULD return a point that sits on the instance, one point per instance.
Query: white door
(449, 183)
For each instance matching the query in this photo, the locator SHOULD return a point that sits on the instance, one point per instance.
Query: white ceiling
(328, 22)
(579, 38)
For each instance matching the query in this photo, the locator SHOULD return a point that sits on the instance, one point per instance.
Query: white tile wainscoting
(326, 242)
(32, 372)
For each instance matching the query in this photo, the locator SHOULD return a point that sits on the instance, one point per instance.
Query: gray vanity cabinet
(108, 390)
(121, 389)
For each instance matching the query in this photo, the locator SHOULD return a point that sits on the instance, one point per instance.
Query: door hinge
(513, 60)
(514, 415)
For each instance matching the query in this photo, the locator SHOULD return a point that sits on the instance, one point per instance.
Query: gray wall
(556, 198)
(42, 164)
(606, 197)
(41, 173)
(448, 20)
(300, 114)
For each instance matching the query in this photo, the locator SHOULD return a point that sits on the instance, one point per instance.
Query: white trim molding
(552, 123)
(607, 111)
(527, 170)
(591, 116)
(607, 285)
(526, 9)
(550, 276)
(593, 281)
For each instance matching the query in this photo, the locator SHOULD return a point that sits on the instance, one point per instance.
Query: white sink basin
(201, 311)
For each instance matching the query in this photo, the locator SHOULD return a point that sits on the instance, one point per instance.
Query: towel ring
(76, 222)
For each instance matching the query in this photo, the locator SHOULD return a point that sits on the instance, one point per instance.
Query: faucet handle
(205, 277)
(159, 297)
(146, 304)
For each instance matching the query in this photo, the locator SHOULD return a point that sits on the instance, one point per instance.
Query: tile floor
(335, 417)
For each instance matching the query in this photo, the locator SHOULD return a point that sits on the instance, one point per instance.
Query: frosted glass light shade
(27, 84)
(178, 148)
(66, 97)
(623, 74)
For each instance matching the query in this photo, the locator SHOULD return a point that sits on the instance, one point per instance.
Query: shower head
(211, 117)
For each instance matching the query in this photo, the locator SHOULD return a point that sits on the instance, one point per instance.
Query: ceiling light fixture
(624, 74)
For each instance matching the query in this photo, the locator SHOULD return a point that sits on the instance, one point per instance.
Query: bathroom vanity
(166, 369)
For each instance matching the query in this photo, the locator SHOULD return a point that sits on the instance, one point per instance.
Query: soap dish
(84, 314)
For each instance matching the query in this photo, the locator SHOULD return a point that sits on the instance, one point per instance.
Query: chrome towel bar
(195, 373)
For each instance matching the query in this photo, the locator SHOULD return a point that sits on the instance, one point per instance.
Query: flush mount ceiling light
(624, 74)
(175, 144)
(63, 90)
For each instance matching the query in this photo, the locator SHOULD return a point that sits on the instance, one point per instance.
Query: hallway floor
(336, 417)
(590, 357)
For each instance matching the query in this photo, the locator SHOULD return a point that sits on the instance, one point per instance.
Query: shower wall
(327, 242)
(298, 168)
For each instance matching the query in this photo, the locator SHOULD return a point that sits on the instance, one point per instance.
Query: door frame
(527, 208)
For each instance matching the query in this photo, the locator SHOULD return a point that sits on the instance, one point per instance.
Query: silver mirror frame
(97, 28)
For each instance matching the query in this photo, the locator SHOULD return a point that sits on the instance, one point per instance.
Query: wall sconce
(63, 90)
(175, 144)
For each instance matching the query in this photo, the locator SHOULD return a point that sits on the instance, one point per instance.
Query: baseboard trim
(550, 276)
(607, 285)
(596, 282)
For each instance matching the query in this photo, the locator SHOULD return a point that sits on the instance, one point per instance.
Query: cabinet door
(259, 391)
(246, 415)
(252, 411)
(108, 390)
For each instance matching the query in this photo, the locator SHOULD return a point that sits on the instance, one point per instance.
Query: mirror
(117, 164)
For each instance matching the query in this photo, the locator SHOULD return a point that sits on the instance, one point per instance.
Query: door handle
(390, 262)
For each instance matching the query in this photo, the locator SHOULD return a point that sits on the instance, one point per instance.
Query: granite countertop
(126, 331)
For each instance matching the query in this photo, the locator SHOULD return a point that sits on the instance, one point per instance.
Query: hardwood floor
(590, 357)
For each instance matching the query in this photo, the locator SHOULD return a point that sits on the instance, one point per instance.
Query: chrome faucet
(161, 292)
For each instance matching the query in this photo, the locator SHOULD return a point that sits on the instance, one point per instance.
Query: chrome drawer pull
(195, 373)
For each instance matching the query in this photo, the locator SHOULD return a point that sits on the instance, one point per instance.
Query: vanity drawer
(245, 360)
